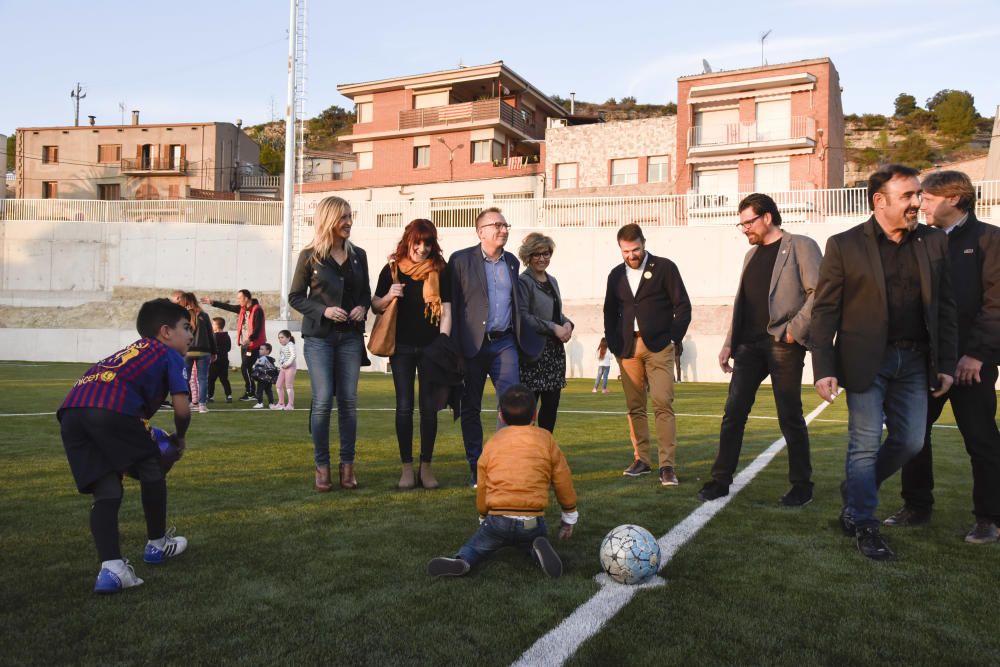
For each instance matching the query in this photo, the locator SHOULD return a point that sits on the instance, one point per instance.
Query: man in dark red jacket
(250, 334)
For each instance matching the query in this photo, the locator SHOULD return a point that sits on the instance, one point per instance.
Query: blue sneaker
(173, 546)
(109, 581)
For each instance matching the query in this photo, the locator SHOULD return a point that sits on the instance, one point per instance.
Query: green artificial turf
(276, 573)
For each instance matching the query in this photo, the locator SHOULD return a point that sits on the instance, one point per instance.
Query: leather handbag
(382, 340)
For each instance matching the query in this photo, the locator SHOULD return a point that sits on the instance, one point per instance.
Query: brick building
(620, 158)
(457, 136)
(773, 128)
(156, 161)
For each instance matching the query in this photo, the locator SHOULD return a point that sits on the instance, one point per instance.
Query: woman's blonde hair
(534, 243)
(328, 213)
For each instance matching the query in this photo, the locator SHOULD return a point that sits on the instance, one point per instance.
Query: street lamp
(451, 157)
(235, 185)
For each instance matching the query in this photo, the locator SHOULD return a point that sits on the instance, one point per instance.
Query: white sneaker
(116, 579)
(259, 406)
(277, 406)
(172, 546)
(202, 408)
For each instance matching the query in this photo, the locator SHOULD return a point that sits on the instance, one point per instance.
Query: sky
(218, 60)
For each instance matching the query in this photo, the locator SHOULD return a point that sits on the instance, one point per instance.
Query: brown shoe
(323, 483)
(407, 480)
(347, 478)
(667, 476)
(908, 517)
(426, 477)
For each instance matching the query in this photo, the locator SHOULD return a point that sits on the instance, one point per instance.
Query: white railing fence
(800, 205)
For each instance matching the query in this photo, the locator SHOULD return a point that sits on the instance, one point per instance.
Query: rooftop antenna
(705, 67)
(77, 94)
(121, 108)
(763, 61)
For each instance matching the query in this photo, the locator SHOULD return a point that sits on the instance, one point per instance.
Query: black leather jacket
(316, 286)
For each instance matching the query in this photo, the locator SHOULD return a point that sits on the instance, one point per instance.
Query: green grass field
(278, 574)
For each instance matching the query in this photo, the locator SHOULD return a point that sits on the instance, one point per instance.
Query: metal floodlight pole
(286, 225)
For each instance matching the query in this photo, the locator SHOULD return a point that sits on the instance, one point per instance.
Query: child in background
(286, 370)
(265, 372)
(101, 422)
(517, 467)
(220, 367)
(603, 366)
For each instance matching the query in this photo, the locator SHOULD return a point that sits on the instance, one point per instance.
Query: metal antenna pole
(762, 38)
(77, 94)
(289, 192)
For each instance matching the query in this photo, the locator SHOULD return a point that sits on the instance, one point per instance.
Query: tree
(956, 116)
(905, 105)
(914, 151)
(612, 102)
(941, 95)
(11, 143)
(272, 159)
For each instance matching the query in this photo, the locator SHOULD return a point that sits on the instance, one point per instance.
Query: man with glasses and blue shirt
(768, 335)
(885, 294)
(487, 314)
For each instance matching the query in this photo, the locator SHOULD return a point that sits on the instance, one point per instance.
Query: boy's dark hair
(221, 322)
(517, 405)
(879, 178)
(631, 232)
(267, 345)
(246, 293)
(156, 313)
(761, 204)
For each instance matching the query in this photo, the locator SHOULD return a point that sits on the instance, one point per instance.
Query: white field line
(561, 642)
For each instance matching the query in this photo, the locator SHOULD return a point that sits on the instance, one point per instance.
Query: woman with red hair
(416, 275)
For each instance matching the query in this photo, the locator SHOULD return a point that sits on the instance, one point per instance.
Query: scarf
(424, 271)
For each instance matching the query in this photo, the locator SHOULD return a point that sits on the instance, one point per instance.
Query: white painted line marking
(560, 643)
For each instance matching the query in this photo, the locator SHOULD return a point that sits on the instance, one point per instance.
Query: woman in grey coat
(546, 376)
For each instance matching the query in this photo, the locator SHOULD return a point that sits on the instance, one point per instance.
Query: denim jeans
(602, 375)
(334, 366)
(497, 532)
(754, 362)
(899, 395)
(203, 364)
(404, 370)
(498, 359)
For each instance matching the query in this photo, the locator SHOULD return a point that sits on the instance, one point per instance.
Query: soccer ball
(630, 554)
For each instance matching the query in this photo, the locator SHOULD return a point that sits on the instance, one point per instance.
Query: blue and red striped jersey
(133, 381)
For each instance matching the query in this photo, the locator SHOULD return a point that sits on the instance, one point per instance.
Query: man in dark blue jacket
(949, 201)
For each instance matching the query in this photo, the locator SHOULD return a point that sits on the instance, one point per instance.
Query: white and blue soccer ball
(630, 554)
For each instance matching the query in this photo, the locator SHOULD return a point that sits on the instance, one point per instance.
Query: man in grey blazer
(487, 313)
(768, 336)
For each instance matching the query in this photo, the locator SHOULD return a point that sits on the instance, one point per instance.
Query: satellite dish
(705, 67)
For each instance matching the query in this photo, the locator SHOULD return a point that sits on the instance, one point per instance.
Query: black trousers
(549, 409)
(247, 359)
(264, 388)
(975, 408)
(219, 370)
(752, 363)
(404, 370)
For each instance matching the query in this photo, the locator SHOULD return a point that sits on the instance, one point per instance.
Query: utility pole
(77, 94)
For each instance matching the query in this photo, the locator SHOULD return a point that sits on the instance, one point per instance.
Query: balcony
(795, 133)
(482, 112)
(164, 166)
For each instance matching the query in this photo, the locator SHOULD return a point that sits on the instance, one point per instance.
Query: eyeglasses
(497, 226)
(746, 223)
(541, 255)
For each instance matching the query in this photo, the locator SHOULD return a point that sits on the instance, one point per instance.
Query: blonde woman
(547, 376)
(203, 349)
(330, 288)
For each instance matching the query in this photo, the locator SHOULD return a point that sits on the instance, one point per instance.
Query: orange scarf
(424, 271)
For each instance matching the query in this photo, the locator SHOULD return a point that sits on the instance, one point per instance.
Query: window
(364, 160)
(625, 172)
(716, 127)
(177, 156)
(456, 211)
(486, 151)
(109, 191)
(566, 175)
(109, 153)
(716, 187)
(774, 120)
(50, 154)
(658, 169)
(421, 156)
(50, 190)
(771, 177)
(363, 112)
